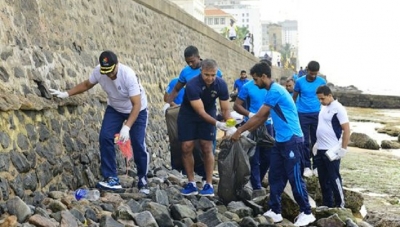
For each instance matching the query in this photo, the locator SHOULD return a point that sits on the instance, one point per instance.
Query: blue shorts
(193, 129)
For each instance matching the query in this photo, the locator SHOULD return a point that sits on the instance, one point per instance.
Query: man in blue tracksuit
(333, 135)
(308, 108)
(254, 97)
(285, 163)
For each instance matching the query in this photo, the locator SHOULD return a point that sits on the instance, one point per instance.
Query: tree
(286, 53)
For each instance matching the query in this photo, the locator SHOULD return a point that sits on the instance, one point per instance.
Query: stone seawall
(368, 101)
(52, 144)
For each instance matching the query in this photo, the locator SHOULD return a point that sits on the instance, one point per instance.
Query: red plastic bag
(124, 147)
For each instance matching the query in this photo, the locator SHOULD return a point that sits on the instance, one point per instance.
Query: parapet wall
(52, 144)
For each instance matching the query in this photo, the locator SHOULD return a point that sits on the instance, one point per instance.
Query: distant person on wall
(126, 114)
(178, 99)
(290, 86)
(333, 135)
(196, 121)
(247, 42)
(232, 30)
(240, 82)
(278, 61)
(308, 107)
(285, 159)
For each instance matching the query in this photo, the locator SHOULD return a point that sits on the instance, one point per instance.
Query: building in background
(264, 38)
(192, 7)
(217, 19)
(246, 14)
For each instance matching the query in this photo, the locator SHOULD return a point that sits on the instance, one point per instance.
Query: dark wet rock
(390, 144)
(362, 140)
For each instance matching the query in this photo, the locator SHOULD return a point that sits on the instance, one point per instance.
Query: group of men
(261, 100)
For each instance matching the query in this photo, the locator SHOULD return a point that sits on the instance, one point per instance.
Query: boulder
(390, 130)
(390, 144)
(362, 140)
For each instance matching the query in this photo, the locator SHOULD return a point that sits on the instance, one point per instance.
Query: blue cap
(80, 194)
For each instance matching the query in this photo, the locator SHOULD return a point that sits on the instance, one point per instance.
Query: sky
(356, 42)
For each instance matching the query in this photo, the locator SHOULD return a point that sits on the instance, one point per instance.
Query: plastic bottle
(88, 194)
(231, 123)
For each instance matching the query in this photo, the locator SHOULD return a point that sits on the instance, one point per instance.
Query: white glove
(251, 114)
(231, 131)
(221, 125)
(124, 133)
(342, 152)
(59, 93)
(165, 107)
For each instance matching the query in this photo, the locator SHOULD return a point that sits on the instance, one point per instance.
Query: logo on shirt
(291, 155)
(213, 94)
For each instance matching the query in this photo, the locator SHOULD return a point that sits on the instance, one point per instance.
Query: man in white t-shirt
(126, 114)
(333, 135)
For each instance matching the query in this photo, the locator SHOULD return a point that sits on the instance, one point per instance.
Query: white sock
(193, 183)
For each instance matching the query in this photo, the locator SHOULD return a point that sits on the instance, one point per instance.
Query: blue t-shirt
(253, 96)
(283, 113)
(197, 89)
(239, 84)
(188, 73)
(295, 77)
(307, 100)
(179, 98)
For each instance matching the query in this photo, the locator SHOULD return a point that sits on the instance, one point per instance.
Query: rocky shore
(165, 206)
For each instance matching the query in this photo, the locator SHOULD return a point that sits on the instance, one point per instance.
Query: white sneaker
(275, 217)
(315, 172)
(307, 172)
(304, 219)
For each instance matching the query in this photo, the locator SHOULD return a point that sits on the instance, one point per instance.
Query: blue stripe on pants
(329, 180)
(112, 124)
(309, 123)
(285, 165)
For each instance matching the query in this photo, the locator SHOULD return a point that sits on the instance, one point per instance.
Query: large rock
(362, 140)
(390, 144)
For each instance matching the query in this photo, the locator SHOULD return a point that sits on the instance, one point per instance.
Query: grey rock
(179, 212)
(145, 219)
(210, 217)
(19, 208)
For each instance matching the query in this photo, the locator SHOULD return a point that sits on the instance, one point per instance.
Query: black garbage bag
(234, 168)
(262, 137)
(171, 117)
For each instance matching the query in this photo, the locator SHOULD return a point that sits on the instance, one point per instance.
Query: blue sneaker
(207, 190)
(189, 190)
(112, 183)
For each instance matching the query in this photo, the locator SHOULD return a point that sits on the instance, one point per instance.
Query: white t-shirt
(330, 119)
(232, 31)
(121, 89)
(246, 41)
